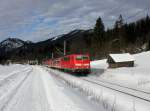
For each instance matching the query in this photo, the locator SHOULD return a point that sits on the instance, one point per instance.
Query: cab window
(85, 57)
(66, 58)
(79, 58)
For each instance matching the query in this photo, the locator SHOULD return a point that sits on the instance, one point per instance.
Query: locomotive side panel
(72, 63)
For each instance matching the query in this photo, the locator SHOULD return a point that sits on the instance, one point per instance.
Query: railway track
(142, 95)
(122, 89)
(114, 84)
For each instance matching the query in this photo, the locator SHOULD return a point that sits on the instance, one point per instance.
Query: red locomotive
(71, 63)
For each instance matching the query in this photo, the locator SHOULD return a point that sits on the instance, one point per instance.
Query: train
(76, 63)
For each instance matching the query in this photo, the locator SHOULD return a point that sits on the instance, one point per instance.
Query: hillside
(43, 49)
(9, 45)
(98, 42)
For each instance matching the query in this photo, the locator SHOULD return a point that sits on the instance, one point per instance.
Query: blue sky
(38, 20)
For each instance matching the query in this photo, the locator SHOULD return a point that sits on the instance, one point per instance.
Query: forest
(123, 37)
(98, 42)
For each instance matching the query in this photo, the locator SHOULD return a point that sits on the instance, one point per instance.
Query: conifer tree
(99, 29)
(120, 32)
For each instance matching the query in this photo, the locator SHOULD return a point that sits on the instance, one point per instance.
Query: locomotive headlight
(86, 64)
(78, 64)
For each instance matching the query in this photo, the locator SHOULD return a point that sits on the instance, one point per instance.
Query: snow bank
(109, 100)
(99, 64)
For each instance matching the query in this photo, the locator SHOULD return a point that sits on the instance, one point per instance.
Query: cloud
(42, 19)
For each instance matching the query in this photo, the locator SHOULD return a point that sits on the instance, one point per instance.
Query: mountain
(12, 43)
(13, 48)
(77, 41)
(130, 37)
(9, 47)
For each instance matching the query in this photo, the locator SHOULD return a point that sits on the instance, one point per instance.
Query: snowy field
(37, 88)
(137, 77)
(112, 97)
(107, 99)
(31, 88)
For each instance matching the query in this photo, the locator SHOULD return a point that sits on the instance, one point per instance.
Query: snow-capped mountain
(12, 43)
(18, 49)
(29, 42)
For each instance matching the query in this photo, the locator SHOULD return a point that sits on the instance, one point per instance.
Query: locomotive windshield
(85, 57)
(79, 57)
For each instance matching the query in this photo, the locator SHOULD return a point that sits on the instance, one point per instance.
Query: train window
(66, 58)
(85, 58)
(82, 57)
(79, 58)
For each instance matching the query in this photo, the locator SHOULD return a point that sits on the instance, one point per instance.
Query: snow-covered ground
(112, 97)
(106, 98)
(37, 88)
(31, 88)
(137, 77)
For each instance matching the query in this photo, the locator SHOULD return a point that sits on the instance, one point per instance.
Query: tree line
(123, 37)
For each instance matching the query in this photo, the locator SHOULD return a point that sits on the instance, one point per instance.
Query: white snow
(30, 88)
(137, 77)
(36, 88)
(107, 99)
(54, 38)
(125, 57)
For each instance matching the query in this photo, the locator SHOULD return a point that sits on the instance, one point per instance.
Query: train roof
(76, 54)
